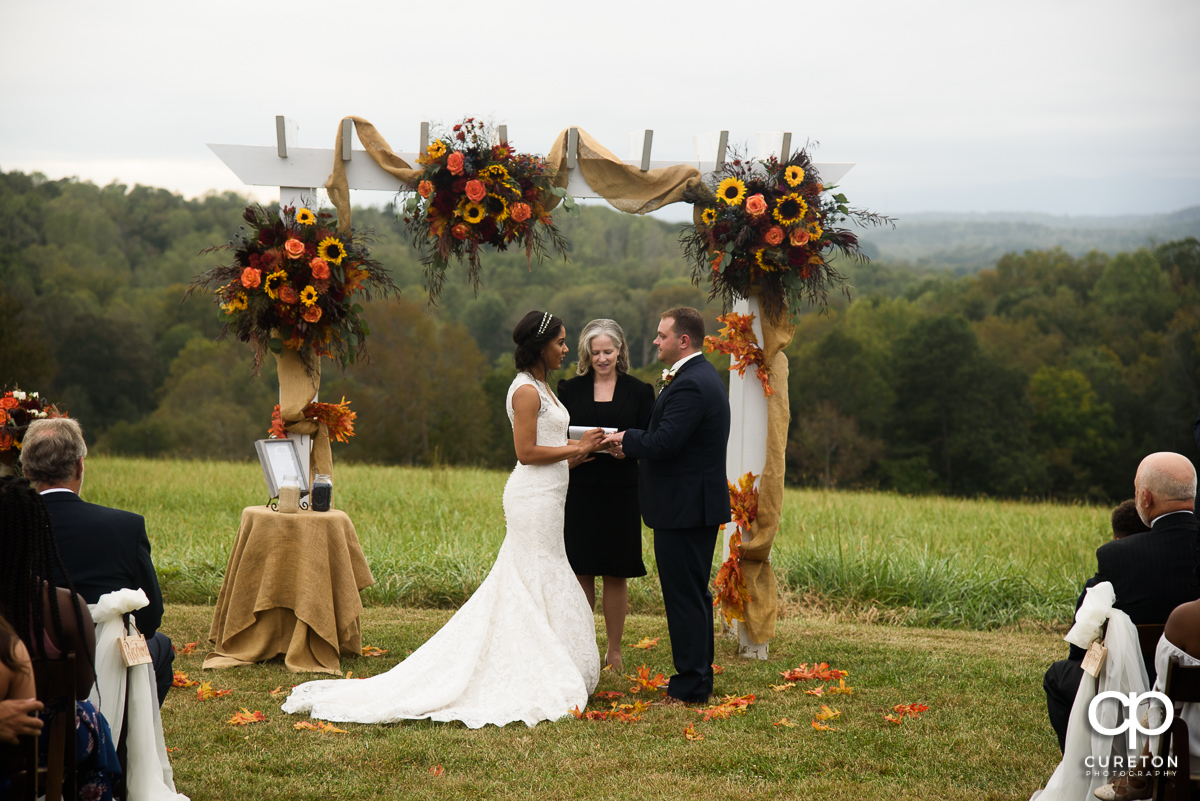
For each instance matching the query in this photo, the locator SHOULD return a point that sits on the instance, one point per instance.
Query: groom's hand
(615, 441)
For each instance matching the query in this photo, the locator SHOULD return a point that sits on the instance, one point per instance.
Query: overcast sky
(1061, 106)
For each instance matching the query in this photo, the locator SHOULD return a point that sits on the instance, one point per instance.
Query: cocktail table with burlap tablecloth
(291, 590)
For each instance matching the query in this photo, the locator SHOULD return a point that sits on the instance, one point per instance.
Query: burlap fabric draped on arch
(630, 190)
(297, 388)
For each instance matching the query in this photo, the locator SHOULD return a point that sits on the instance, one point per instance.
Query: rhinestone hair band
(545, 322)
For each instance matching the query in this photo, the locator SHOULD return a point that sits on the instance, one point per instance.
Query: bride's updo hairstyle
(535, 331)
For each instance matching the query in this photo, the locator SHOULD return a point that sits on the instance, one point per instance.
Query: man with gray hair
(1152, 572)
(102, 549)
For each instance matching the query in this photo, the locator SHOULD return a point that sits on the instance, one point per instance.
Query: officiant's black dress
(603, 528)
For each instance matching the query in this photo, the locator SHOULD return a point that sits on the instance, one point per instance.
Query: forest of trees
(1042, 375)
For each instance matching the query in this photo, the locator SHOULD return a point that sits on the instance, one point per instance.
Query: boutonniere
(666, 378)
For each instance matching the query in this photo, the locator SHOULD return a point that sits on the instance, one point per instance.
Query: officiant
(603, 527)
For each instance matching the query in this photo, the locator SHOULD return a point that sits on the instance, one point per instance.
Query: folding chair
(1182, 687)
(55, 682)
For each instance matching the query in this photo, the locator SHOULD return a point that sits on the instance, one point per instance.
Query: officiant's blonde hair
(610, 329)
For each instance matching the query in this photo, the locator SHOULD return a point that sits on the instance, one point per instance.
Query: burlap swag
(297, 388)
(628, 189)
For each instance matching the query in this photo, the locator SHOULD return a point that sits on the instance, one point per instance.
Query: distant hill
(968, 242)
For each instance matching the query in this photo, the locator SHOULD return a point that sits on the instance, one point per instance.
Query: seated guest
(18, 699)
(1125, 520)
(102, 549)
(54, 621)
(1151, 573)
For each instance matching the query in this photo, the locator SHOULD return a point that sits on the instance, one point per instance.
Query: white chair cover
(1124, 671)
(148, 774)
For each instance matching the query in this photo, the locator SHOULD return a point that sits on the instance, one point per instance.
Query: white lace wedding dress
(523, 647)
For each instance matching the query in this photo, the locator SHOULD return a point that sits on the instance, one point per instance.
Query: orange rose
(799, 237)
(9, 402)
(6, 440)
(755, 205)
(425, 188)
(251, 278)
(3, 417)
(455, 163)
(312, 314)
(476, 191)
(294, 248)
(774, 235)
(460, 231)
(320, 269)
(520, 212)
(288, 295)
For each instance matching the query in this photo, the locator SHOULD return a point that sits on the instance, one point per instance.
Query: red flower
(455, 163)
(520, 212)
(294, 247)
(251, 278)
(460, 136)
(312, 314)
(476, 191)
(425, 188)
(289, 295)
(774, 235)
(9, 402)
(460, 231)
(320, 269)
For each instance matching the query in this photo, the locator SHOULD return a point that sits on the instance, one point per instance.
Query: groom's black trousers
(684, 557)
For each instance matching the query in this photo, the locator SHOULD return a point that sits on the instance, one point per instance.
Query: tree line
(1045, 375)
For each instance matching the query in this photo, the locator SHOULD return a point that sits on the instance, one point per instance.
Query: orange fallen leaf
(781, 687)
(371, 650)
(820, 671)
(437, 770)
(172, 749)
(608, 694)
(281, 690)
(246, 717)
(691, 734)
(785, 722)
(817, 691)
(827, 714)
(320, 725)
(187, 649)
(181, 680)
(729, 706)
(897, 719)
(205, 692)
(911, 710)
(841, 689)
(822, 727)
(646, 643)
(717, 670)
(644, 681)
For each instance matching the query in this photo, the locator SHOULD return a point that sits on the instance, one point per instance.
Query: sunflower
(760, 258)
(308, 295)
(472, 212)
(496, 170)
(272, 283)
(708, 216)
(502, 214)
(814, 230)
(731, 191)
(793, 175)
(790, 209)
(235, 304)
(305, 217)
(331, 250)
(436, 149)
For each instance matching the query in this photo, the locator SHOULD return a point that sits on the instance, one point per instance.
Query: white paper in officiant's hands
(577, 432)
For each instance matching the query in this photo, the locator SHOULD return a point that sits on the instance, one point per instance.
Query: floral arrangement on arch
(472, 193)
(336, 416)
(729, 585)
(17, 410)
(295, 282)
(771, 225)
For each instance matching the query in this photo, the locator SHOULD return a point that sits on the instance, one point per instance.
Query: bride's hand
(593, 441)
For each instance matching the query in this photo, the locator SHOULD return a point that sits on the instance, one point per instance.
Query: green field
(955, 604)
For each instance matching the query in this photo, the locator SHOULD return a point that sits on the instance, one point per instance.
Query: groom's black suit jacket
(103, 550)
(681, 454)
(1152, 572)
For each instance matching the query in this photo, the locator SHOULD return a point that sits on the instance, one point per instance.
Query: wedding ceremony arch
(637, 185)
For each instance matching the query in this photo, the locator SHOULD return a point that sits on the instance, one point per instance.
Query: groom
(684, 493)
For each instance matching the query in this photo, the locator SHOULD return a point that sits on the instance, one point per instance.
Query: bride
(523, 647)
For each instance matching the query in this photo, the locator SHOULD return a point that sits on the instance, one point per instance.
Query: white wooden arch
(298, 172)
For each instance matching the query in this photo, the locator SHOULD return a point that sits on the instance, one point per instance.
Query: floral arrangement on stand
(294, 283)
(730, 585)
(17, 410)
(737, 340)
(337, 417)
(773, 226)
(472, 193)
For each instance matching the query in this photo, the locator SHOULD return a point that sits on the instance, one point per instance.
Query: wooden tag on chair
(134, 650)
(1093, 660)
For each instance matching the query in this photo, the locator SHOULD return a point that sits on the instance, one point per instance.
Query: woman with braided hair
(52, 621)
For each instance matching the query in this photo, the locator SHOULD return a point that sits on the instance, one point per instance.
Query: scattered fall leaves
(729, 705)
(320, 725)
(785, 722)
(608, 694)
(821, 671)
(646, 643)
(901, 711)
(181, 680)
(437, 770)
(246, 717)
(691, 734)
(371, 650)
(187, 649)
(644, 681)
(205, 692)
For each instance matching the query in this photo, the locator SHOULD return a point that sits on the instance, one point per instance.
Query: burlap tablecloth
(291, 589)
